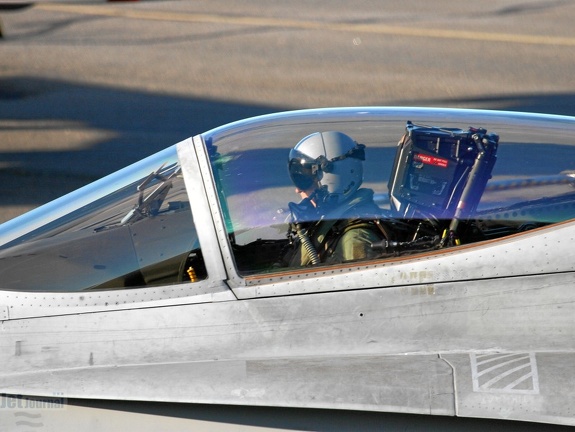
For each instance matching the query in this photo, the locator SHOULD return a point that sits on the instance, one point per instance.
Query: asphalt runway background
(88, 87)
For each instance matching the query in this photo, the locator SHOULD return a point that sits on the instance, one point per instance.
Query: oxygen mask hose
(301, 214)
(307, 244)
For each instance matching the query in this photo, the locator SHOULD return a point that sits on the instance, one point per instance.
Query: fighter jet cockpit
(356, 192)
(297, 192)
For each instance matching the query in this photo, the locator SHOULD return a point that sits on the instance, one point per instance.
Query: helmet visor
(302, 170)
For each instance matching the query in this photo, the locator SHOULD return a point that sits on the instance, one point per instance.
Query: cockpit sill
(425, 272)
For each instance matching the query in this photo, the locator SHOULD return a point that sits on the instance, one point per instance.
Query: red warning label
(430, 160)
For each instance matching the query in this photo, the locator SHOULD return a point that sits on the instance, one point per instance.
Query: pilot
(335, 221)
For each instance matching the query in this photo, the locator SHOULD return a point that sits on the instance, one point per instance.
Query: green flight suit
(344, 234)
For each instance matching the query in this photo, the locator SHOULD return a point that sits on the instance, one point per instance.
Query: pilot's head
(328, 166)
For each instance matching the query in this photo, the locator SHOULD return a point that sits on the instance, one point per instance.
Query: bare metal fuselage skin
(146, 292)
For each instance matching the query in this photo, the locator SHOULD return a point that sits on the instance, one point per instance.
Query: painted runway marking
(271, 22)
(505, 373)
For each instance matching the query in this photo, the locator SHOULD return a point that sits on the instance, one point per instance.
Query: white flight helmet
(330, 162)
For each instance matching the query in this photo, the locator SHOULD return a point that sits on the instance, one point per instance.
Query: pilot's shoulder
(362, 206)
